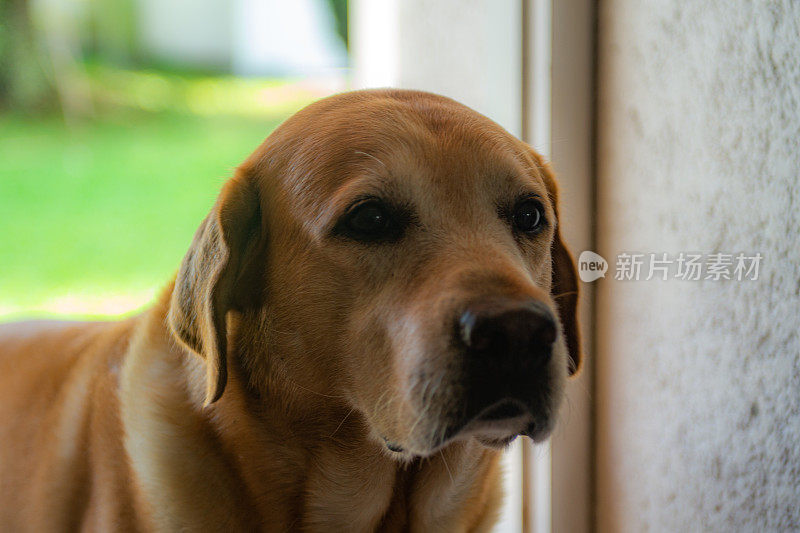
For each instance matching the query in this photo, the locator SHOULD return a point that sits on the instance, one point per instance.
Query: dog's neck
(262, 459)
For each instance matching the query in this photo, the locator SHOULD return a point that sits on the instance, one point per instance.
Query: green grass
(103, 211)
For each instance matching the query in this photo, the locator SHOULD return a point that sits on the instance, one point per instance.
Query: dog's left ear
(564, 283)
(564, 288)
(213, 277)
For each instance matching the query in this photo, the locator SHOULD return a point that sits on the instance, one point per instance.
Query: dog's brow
(529, 178)
(359, 187)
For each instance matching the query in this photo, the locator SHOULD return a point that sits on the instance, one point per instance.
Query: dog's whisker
(427, 393)
(383, 401)
(567, 293)
(342, 422)
(422, 415)
(292, 382)
(372, 157)
(449, 473)
(318, 393)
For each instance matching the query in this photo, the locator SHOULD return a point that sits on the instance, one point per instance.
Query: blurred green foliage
(339, 8)
(102, 198)
(109, 205)
(195, 93)
(25, 76)
(110, 33)
(45, 46)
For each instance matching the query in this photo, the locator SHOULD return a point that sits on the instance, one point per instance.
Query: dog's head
(399, 250)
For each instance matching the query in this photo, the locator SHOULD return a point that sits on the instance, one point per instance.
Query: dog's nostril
(474, 331)
(510, 328)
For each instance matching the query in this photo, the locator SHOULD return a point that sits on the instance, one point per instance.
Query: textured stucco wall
(698, 398)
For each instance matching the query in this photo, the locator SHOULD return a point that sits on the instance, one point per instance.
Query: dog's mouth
(496, 426)
(502, 410)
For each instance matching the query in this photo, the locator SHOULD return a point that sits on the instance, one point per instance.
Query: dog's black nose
(507, 343)
(509, 332)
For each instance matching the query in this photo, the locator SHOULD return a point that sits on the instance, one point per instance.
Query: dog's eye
(528, 216)
(370, 220)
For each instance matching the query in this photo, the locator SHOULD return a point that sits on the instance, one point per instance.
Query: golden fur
(258, 391)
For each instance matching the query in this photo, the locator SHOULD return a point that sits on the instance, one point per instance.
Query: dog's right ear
(211, 278)
(564, 282)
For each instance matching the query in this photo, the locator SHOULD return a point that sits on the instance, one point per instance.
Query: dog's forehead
(407, 138)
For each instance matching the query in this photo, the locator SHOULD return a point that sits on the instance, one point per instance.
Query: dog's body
(348, 404)
(66, 465)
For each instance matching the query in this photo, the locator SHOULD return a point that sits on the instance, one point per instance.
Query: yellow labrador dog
(378, 302)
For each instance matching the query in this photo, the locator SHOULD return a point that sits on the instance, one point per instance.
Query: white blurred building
(246, 37)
